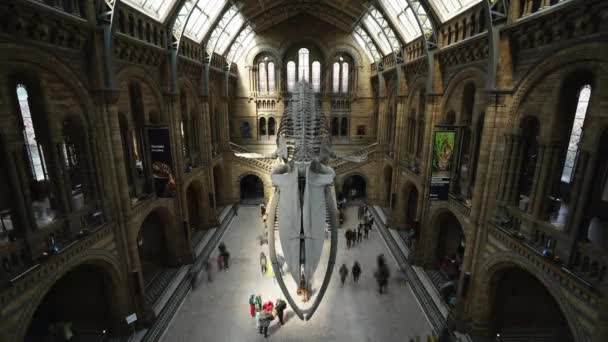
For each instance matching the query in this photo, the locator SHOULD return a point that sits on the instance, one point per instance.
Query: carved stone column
(583, 179)
(514, 167)
(540, 179)
(509, 139)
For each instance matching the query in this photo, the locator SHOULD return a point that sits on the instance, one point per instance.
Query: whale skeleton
(304, 194)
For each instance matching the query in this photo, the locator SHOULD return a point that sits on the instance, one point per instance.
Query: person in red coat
(268, 306)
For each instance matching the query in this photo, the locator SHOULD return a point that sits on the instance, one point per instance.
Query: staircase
(437, 277)
(157, 286)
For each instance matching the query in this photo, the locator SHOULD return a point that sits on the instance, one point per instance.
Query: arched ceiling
(380, 27)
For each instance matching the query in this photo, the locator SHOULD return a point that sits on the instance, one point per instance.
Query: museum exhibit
(303, 170)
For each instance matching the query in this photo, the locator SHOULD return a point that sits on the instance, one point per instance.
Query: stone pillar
(514, 170)
(583, 181)
(509, 138)
(537, 196)
(554, 170)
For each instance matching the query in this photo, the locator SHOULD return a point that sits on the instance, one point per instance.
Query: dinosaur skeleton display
(303, 193)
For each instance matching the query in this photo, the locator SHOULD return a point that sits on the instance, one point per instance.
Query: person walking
(252, 305)
(347, 237)
(263, 262)
(360, 233)
(356, 271)
(207, 268)
(220, 262)
(262, 210)
(265, 319)
(382, 274)
(268, 306)
(258, 303)
(280, 307)
(343, 273)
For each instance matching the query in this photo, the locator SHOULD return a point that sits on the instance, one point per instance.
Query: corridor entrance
(252, 190)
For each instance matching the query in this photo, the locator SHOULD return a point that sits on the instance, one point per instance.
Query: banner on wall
(159, 144)
(444, 142)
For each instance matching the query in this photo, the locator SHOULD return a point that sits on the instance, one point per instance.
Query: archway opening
(193, 196)
(81, 306)
(252, 190)
(152, 246)
(217, 185)
(388, 182)
(355, 188)
(523, 307)
(450, 246)
(411, 207)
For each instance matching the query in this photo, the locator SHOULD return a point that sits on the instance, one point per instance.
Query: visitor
(268, 306)
(347, 237)
(366, 229)
(360, 212)
(252, 305)
(220, 262)
(193, 278)
(262, 210)
(382, 274)
(258, 303)
(359, 233)
(356, 271)
(207, 268)
(235, 209)
(303, 289)
(280, 307)
(343, 273)
(265, 319)
(263, 262)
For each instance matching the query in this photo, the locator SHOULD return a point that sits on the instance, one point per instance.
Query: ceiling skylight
(225, 31)
(366, 43)
(240, 44)
(448, 9)
(404, 16)
(381, 32)
(157, 9)
(202, 17)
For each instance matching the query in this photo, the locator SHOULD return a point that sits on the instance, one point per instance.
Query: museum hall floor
(219, 311)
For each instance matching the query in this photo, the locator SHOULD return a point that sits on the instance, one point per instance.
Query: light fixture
(341, 58)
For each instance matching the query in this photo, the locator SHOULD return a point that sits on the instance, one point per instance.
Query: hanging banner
(160, 159)
(443, 157)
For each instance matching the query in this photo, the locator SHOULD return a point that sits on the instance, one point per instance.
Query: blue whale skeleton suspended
(304, 194)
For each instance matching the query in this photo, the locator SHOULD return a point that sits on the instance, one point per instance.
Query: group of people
(356, 272)
(264, 313)
(356, 235)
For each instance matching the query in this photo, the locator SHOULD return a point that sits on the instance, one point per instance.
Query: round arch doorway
(354, 188)
(152, 246)
(252, 190)
(81, 306)
(522, 306)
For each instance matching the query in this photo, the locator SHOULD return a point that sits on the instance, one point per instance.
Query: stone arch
(575, 56)
(252, 54)
(348, 49)
(194, 204)
(475, 75)
(502, 261)
(361, 189)
(288, 43)
(139, 74)
(156, 249)
(411, 192)
(251, 178)
(437, 228)
(26, 58)
(105, 261)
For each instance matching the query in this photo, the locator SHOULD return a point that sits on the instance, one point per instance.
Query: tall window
(271, 77)
(316, 76)
(303, 65)
(34, 150)
(262, 77)
(344, 77)
(575, 133)
(291, 75)
(336, 78)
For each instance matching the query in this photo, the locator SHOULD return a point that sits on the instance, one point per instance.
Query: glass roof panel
(157, 9)
(404, 16)
(201, 18)
(366, 43)
(225, 31)
(381, 32)
(240, 44)
(448, 9)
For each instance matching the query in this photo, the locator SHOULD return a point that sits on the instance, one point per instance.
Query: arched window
(303, 65)
(291, 75)
(262, 127)
(270, 69)
(344, 77)
(316, 76)
(34, 150)
(184, 125)
(271, 126)
(336, 78)
(575, 133)
(262, 77)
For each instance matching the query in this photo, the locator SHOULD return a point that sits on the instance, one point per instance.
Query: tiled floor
(219, 311)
